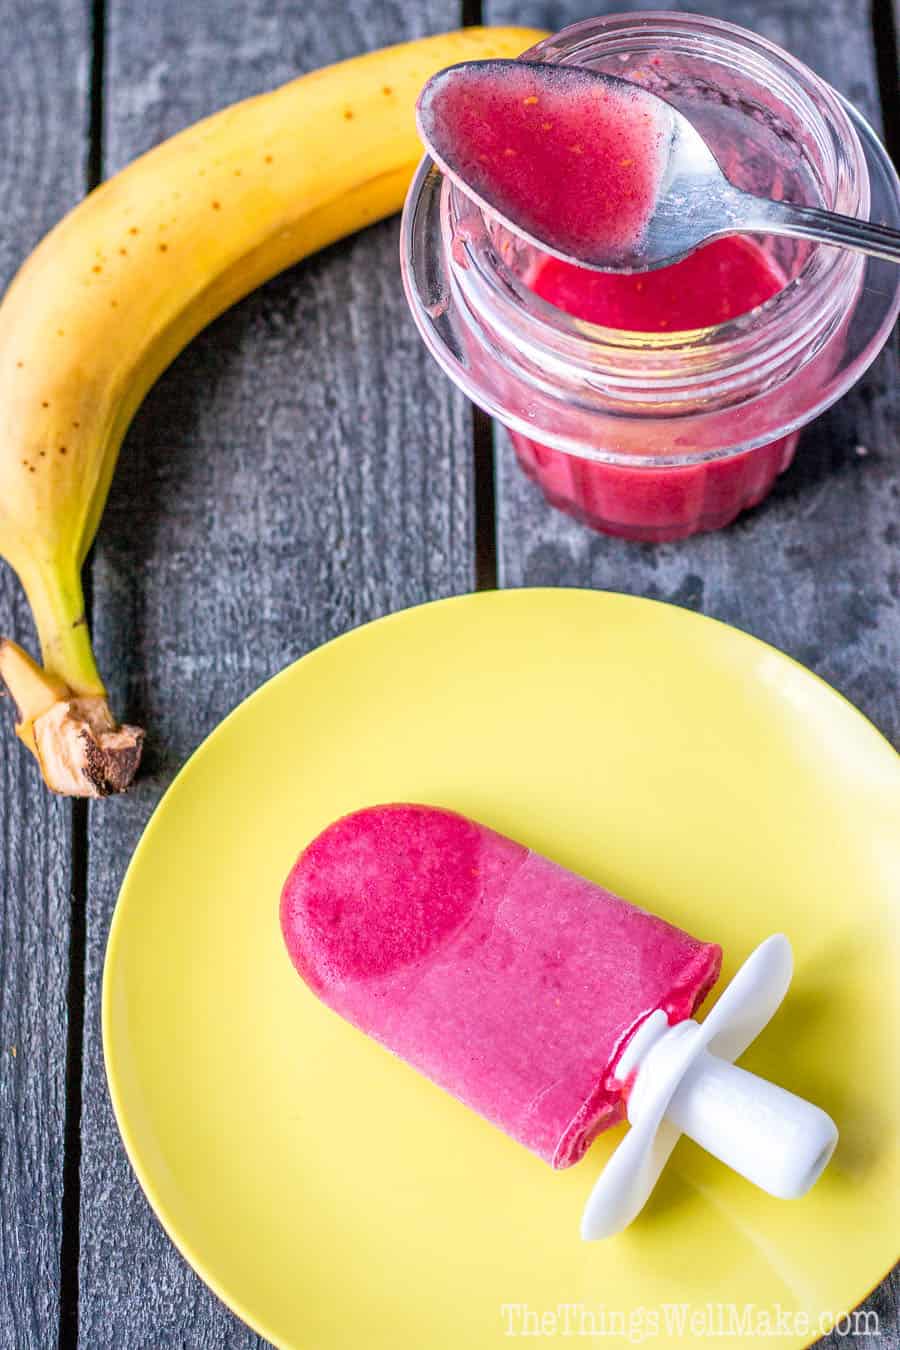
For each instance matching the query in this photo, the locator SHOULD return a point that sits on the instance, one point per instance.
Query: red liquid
(573, 162)
(720, 282)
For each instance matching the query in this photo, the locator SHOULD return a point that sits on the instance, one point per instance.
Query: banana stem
(57, 603)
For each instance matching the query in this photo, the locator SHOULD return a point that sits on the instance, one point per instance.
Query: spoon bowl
(652, 206)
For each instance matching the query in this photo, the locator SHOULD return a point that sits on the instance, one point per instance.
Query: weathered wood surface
(816, 569)
(302, 468)
(43, 143)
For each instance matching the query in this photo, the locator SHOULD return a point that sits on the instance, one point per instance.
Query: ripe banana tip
(81, 749)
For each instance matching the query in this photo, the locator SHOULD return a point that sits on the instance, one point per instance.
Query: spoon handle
(826, 227)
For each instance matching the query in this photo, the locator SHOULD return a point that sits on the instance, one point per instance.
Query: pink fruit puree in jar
(656, 406)
(722, 281)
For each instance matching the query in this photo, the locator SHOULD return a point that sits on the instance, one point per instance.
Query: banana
(116, 290)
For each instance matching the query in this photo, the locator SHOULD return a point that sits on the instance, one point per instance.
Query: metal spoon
(695, 202)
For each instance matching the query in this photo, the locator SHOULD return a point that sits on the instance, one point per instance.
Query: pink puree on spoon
(571, 167)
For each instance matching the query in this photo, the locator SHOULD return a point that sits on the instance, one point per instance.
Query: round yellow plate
(333, 1197)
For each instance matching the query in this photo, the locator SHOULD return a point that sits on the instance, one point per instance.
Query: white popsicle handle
(772, 1137)
(684, 1081)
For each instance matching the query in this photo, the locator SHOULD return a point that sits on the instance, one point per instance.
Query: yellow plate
(334, 1198)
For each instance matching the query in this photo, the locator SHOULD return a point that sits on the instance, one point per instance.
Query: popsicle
(506, 979)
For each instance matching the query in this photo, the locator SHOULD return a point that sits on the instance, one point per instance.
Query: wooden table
(302, 468)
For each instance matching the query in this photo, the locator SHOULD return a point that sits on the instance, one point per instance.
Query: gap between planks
(70, 1244)
(483, 464)
(885, 17)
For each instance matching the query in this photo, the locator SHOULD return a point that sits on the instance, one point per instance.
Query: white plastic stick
(772, 1137)
(686, 1083)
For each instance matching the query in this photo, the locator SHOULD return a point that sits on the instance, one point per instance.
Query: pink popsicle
(511, 982)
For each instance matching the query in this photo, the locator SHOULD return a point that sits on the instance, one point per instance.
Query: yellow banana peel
(117, 289)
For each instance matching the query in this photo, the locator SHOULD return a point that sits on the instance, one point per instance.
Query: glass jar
(659, 435)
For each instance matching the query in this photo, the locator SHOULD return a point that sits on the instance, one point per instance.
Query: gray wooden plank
(303, 467)
(35, 866)
(43, 153)
(814, 569)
